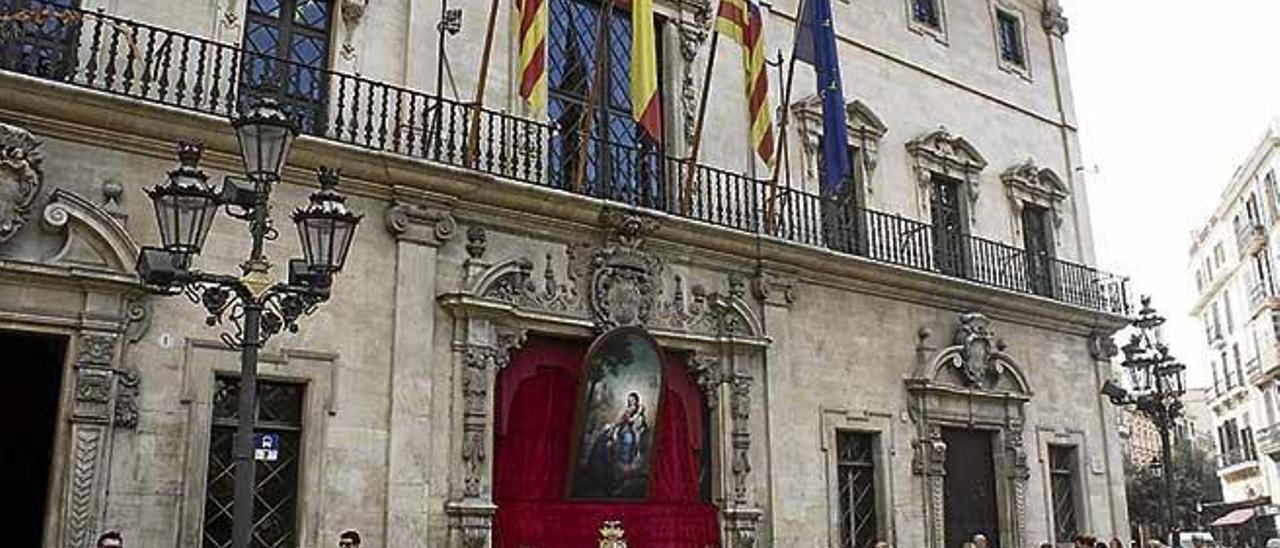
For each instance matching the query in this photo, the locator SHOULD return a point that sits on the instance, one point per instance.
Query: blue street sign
(266, 447)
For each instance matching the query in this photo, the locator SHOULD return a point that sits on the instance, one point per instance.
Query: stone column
(776, 293)
(103, 398)
(420, 229)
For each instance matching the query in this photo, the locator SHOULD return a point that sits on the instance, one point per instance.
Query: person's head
(980, 540)
(349, 539)
(110, 539)
(1099, 544)
(1115, 542)
(633, 399)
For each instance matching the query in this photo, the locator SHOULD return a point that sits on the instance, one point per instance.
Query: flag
(532, 36)
(740, 20)
(816, 45)
(644, 70)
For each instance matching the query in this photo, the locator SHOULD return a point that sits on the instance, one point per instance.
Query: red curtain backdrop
(536, 396)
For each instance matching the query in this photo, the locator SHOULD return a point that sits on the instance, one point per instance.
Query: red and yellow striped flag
(740, 20)
(644, 70)
(532, 34)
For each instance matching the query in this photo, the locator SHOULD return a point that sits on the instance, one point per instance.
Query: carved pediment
(865, 131)
(92, 237)
(947, 153)
(1028, 183)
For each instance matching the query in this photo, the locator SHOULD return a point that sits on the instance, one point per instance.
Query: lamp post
(1157, 383)
(254, 305)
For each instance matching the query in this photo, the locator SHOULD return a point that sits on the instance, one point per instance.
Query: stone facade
(453, 269)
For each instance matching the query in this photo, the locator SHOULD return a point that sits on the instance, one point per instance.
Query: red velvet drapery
(536, 395)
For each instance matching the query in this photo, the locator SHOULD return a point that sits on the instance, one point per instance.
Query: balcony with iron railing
(142, 62)
(1250, 236)
(1269, 439)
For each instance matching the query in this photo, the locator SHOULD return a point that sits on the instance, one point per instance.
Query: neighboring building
(1231, 261)
(1141, 438)
(915, 356)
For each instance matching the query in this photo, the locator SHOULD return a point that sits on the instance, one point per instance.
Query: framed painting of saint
(617, 417)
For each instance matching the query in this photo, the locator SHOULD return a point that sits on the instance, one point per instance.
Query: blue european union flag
(816, 45)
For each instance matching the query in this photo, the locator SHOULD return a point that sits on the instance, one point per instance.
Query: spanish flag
(740, 20)
(644, 70)
(532, 36)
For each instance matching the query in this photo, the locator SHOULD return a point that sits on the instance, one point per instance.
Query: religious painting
(617, 418)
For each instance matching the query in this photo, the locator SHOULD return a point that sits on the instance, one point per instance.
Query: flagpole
(686, 195)
(782, 131)
(585, 123)
(477, 106)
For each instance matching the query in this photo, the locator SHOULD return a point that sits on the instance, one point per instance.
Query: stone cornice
(107, 121)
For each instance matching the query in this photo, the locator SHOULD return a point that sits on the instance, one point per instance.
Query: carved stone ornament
(612, 535)
(352, 13)
(1102, 346)
(21, 178)
(943, 153)
(865, 130)
(695, 26)
(126, 413)
(978, 344)
(1027, 183)
(623, 286)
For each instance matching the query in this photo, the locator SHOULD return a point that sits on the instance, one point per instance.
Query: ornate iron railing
(110, 54)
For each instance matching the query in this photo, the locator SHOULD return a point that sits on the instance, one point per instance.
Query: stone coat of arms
(20, 178)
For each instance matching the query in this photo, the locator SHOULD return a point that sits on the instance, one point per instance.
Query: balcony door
(1039, 248)
(286, 46)
(950, 228)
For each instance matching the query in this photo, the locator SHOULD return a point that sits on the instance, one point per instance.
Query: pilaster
(777, 293)
(420, 228)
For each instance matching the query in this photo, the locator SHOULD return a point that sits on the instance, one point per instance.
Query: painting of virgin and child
(617, 416)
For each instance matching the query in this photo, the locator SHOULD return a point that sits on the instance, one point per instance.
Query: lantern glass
(265, 134)
(325, 227)
(185, 205)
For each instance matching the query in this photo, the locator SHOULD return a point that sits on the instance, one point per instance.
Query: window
(276, 475)
(1039, 248)
(1062, 483)
(1226, 371)
(1235, 353)
(1199, 280)
(40, 46)
(843, 224)
(288, 53)
(949, 227)
(1226, 310)
(620, 163)
(1219, 256)
(927, 13)
(1009, 38)
(855, 469)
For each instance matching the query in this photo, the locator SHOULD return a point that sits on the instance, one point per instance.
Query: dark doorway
(970, 491)
(35, 381)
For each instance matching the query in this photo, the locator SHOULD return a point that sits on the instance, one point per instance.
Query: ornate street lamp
(254, 303)
(1157, 384)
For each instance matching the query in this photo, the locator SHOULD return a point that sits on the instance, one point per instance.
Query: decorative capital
(1054, 21)
(421, 224)
(21, 178)
(1102, 346)
(776, 289)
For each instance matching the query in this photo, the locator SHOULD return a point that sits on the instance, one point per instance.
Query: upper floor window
(1038, 243)
(1009, 38)
(618, 161)
(1219, 254)
(855, 470)
(287, 45)
(949, 226)
(927, 13)
(39, 45)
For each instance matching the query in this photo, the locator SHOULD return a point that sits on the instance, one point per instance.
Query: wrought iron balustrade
(143, 62)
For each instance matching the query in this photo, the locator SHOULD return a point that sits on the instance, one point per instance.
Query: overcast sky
(1171, 95)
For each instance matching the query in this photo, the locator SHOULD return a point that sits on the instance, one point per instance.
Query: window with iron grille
(619, 162)
(287, 45)
(1062, 477)
(927, 13)
(43, 43)
(1009, 32)
(275, 476)
(855, 472)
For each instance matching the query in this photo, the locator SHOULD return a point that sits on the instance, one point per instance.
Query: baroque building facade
(1231, 261)
(916, 359)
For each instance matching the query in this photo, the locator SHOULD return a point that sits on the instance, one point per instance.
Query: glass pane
(269, 8)
(312, 13)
